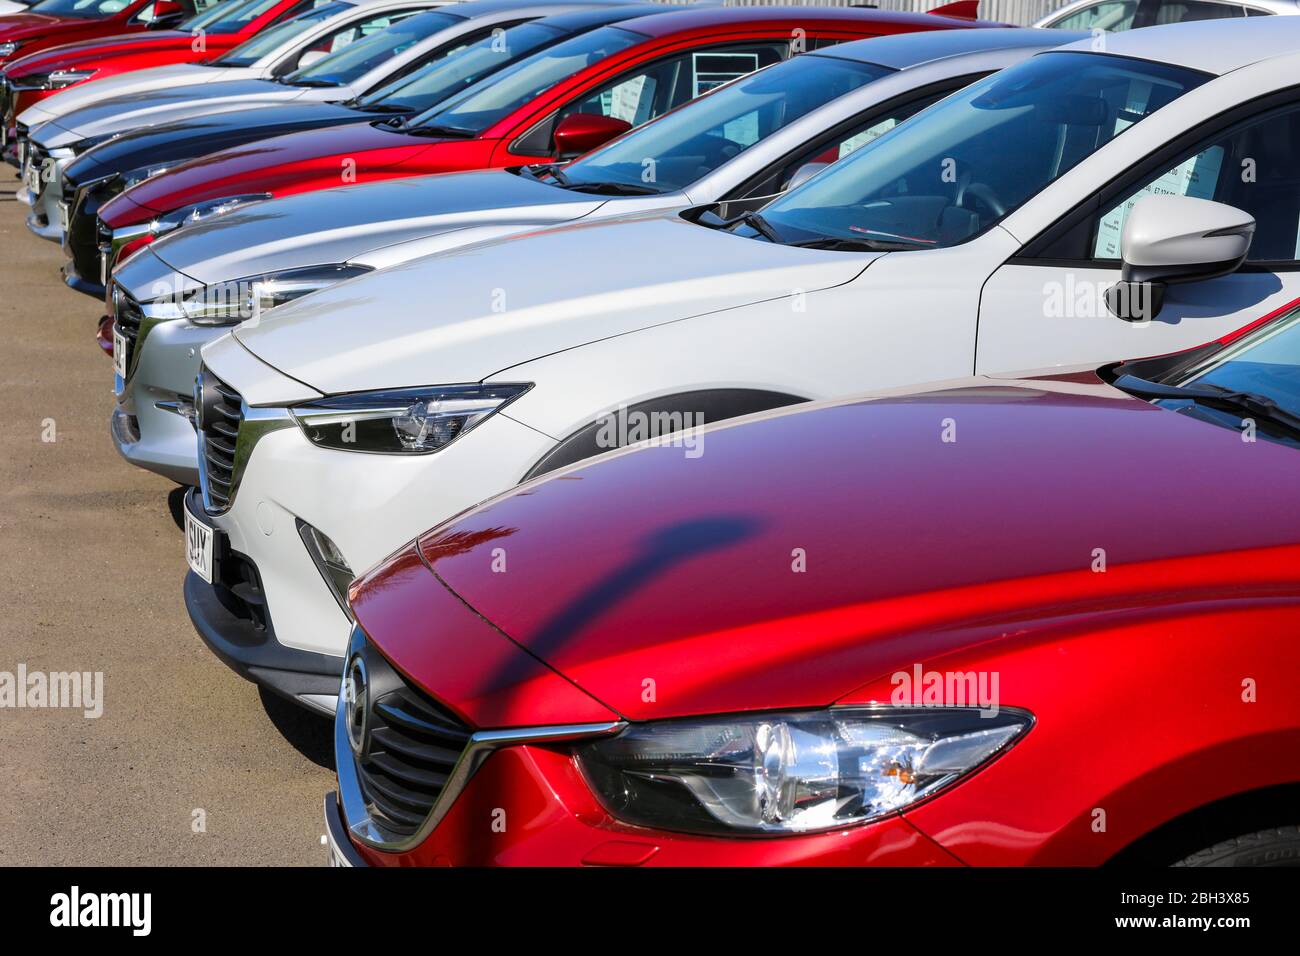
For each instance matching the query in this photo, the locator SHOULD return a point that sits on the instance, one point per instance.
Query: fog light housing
(329, 561)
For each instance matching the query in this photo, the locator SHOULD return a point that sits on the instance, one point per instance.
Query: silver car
(1115, 15)
(735, 147)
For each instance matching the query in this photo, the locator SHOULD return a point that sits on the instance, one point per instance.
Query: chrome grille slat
(412, 747)
(219, 441)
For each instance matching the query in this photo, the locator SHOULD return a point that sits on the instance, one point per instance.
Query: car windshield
(235, 15)
(692, 141)
(959, 167)
(449, 75)
(268, 41)
(209, 13)
(359, 57)
(81, 9)
(485, 103)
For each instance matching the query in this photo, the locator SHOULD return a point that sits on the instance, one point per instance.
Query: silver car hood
(467, 314)
(338, 225)
(159, 78)
(122, 114)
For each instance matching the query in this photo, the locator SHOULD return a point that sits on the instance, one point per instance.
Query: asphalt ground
(187, 764)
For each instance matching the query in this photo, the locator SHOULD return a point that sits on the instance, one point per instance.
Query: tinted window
(1182, 11)
(1252, 167)
(367, 44)
(431, 84)
(497, 97)
(81, 9)
(1111, 15)
(688, 144)
(971, 159)
(268, 41)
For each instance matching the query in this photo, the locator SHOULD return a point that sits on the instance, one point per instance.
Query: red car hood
(71, 55)
(279, 166)
(655, 565)
(19, 25)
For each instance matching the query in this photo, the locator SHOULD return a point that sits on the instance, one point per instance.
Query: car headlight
(790, 772)
(409, 421)
(10, 48)
(226, 303)
(136, 176)
(204, 210)
(56, 80)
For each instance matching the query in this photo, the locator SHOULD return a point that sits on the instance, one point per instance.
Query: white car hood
(465, 315)
(122, 114)
(338, 225)
(135, 81)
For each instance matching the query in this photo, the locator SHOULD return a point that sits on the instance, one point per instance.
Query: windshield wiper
(312, 84)
(855, 245)
(1246, 404)
(756, 222)
(376, 107)
(449, 132)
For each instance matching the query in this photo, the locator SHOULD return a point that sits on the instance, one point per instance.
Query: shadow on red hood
(88, 51)
(655, 566)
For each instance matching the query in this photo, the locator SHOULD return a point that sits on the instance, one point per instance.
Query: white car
(1114, 15)
(752, 137)
(983, 235)
(410, 38)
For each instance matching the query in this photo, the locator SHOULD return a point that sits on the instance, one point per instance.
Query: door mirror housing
(804, 173)
(166, 14)
(1171, 239)
(580, 133)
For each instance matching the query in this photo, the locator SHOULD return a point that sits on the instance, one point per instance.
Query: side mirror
(804, 173)
(166, 13)
(1170, 239)
(310, 57)
(580, 133)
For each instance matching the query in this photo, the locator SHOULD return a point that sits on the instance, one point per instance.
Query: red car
(559, 103)
(225, 25)
(55, 22)
(1045, 620)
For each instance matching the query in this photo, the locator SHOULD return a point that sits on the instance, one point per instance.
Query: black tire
(1279, 846)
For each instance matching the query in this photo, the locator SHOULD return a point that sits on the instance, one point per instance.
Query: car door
(1044, 306)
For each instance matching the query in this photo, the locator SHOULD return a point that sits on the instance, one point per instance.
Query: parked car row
(598, 333)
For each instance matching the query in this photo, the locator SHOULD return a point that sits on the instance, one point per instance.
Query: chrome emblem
(356, 703)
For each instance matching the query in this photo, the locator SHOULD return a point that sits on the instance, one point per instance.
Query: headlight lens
(204, 210)
(56, 80)
(226, 303)
(10, 48)
(791, 772)
(411, 421)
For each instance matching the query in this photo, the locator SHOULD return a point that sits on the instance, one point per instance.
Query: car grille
(221, 415)
(412, 745)
(127, 316)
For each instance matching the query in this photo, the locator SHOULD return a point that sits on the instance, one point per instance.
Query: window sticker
(1196, 177)
(711, 70)
(867, 135)
(625, 100)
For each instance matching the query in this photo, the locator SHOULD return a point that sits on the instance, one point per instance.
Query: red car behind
(564, 101)
(1038, 620)
(224, 26)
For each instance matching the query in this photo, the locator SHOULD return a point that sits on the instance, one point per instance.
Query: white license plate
(103, 268)
(22, 153)
(119, 354)
(34, 180)
(198, 546)
(63, 218)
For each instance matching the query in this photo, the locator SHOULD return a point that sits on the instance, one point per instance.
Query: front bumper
(369, 505)
(161, 438)
(225, 615)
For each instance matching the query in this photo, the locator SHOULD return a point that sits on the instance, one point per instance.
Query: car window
(479, 57)
(81, 9)
(1113, 15)
(359, 48)
(1251, 167)
(691, 142)
(977, 155)
(1182, 11)
(270, 40)
(494, 99)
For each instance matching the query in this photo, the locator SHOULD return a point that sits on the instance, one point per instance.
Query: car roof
(597, 16)
(903, 51)
(1211, 46)
(473, 8)
(702, 18)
